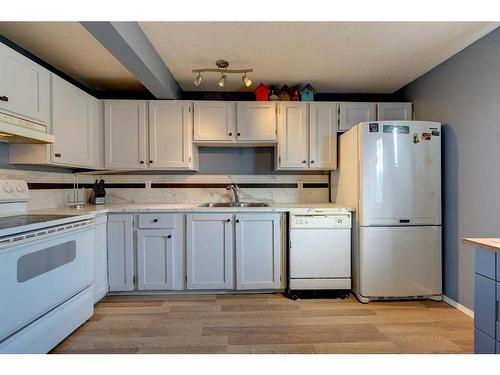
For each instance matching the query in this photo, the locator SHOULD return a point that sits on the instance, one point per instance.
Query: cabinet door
(485, 305)
(100, 259)
(155, 259)
(125, 134)
(394, 111)
(256, 121)
(258, 251)
(120, 253)
(209, 253)
(323, 135)
(214, 121)
(73, 124)
(354, 113)
(293, 137)
(25, 86)
(170, 129)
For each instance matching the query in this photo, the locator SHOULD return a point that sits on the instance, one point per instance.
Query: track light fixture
(246, 81)
(197, 80)
(222, 80)
(222, 68)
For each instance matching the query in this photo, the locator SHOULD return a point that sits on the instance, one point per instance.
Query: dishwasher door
(317, 253)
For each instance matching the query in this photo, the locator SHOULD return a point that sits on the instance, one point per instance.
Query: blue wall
(464, 94)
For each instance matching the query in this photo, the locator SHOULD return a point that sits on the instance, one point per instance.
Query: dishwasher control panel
(298, 221)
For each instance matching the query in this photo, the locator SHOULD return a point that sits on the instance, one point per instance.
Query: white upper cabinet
(293, 136)
(24, 87)
(170, 135)
(394, 111)
(214, 121)
(258, 251)
(74, 122)
(125, 134)
(323, 135)
(209, 251)
(353, 113)
(256, 121)
(155, 259)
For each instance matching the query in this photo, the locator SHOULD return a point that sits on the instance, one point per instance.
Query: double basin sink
(231, 204)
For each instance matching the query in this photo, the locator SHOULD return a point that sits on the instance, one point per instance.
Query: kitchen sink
(230, 204)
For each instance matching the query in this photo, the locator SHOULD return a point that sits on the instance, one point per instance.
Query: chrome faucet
(236, 192)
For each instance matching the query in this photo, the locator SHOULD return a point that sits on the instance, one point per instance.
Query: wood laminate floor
(269, 323)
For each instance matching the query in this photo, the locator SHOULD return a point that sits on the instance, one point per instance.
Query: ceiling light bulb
(222, 81)
(197, 80)
(246, 81)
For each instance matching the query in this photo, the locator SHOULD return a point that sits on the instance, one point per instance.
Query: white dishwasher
(319, 253)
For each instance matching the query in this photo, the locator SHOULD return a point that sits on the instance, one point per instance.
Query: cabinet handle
(169, 236)
(230, 134)
(237, 221)
(312, 161)
(142, 162)
(303, 161)
(155, 220)
(238, 134)
(4, 98)
(58, 155)
(151, 162)
(228, 220)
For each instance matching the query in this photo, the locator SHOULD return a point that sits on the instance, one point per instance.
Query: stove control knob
(7, 188)
(20, 188)
(339, 221)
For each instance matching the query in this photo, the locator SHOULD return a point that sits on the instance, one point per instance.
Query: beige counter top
(492, 244)
(180, 207)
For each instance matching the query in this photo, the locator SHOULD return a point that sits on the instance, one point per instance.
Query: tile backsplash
(173, 188)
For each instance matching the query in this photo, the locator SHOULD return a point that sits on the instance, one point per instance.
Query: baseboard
(458, 306)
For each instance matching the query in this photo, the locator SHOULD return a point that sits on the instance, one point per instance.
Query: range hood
(16, 130)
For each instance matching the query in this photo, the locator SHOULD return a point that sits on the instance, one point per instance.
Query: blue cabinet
(487, 302)
(498, 267)
(486, 264)
(483, 344)
(485, 305)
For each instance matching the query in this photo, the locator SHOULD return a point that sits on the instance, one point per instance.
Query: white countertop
(180, 207)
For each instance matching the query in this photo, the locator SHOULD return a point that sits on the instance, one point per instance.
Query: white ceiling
(341, 57)
(68, 47)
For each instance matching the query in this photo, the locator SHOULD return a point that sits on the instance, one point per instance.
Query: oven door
(37, 276)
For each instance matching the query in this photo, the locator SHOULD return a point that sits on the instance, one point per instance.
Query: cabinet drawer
(483, 344)
(486, 263)
(156, 220)
(485, 303)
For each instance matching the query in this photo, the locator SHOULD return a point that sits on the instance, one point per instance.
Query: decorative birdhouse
(273, 97)
(307, 93)
(262, 93)
(284, 94)
(295, 95)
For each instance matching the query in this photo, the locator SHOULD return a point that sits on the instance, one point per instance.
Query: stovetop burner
(20, 220)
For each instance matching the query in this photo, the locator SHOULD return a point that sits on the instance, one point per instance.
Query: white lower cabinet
(100, 258)
(209, 251)
(120, 253)
(155, 259)
(258, 251)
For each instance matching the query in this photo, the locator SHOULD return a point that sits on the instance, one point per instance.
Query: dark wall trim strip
(168, 185)
(58, 185)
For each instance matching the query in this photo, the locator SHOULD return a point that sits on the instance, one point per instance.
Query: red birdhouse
(262, 93)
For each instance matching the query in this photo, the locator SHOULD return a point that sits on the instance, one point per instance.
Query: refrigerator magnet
(415, 138)
(426, 136)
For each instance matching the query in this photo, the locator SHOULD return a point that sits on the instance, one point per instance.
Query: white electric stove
(46, 273)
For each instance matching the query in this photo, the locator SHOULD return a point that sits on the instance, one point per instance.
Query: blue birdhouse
(307, 93)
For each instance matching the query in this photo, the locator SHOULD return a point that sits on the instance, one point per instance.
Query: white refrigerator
(390, 171)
